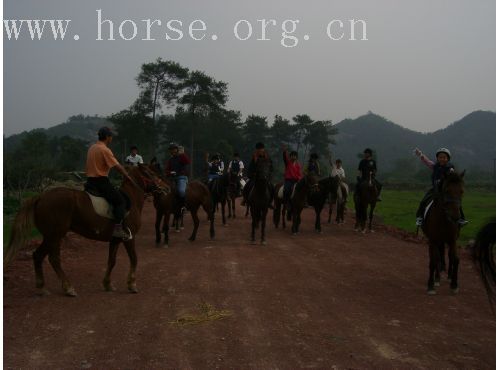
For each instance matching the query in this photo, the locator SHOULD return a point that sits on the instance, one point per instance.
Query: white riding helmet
(445, 151)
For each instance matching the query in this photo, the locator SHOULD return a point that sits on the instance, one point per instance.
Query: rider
(176, 167)
(366, 166)
(134, 158)
(100, 160)
(215, 167)
(293, 174)
(260, 152)
(313, 166)
(236, 167)
(439, 169)
(337, 169)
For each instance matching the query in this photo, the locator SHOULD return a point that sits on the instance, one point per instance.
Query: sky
(424, 64)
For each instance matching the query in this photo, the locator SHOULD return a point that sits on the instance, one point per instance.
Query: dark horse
(327, 189)
(441, 227)
(259, 198)
(303, 188)
(365, 195)
(218, 190)
(483, 252)
(232, 193)
(59, 210)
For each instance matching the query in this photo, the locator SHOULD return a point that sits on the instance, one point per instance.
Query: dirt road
(333, 300)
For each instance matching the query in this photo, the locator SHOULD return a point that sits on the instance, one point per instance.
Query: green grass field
(398, 208)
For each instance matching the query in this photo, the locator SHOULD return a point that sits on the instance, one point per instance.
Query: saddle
(101, 206)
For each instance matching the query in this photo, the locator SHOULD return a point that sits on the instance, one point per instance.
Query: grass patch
(398, 208)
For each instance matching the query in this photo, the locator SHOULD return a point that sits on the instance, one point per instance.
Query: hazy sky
(425, 64)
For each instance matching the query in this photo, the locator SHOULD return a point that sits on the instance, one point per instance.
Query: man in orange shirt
(100, 160)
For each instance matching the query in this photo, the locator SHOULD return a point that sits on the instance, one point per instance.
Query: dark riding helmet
(133, 147)
(215, 157)
(259, 145)
(368, 151)
(173, 146)
(314, 156)
(236, 154)
(104, 132)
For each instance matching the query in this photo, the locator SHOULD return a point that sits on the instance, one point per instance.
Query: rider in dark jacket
(259, 153)
(366, 166)
(440, 169)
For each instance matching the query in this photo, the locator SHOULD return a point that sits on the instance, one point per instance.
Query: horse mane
(454, 178)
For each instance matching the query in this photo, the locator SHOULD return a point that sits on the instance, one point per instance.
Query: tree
(201, 95)
(160, 79)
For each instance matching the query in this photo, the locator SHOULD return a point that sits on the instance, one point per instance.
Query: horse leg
(166, 229)
(55, 261)
(318, 219)
(263, 228)
(182, 219)
(433, 267)
(330, 212)
(276, 214)
(207, 208)
(283, 216)
(454, 262)
(223, 211)
(130, 247)
(113, 248)
(196, 224)
(233, 206)
(372, 208)
(254, 221)
(38, 256)
(159, 217)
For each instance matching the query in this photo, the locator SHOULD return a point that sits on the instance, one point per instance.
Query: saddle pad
(101, 206)
(280, 192)
(427, 209)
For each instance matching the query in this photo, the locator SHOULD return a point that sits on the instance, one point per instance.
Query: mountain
(471, 141)
(78, 127)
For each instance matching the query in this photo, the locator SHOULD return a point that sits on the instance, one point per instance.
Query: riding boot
(462, 221)
(379, 190)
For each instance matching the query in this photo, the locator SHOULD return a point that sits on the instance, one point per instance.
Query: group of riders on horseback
(100, 160)
(59, 210)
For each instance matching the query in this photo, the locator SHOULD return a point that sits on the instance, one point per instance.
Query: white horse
(342, 195)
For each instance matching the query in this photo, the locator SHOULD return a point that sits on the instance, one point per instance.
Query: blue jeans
(181, 182)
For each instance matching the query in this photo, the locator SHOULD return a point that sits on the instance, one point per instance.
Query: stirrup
(120, 232)
(462, 222)
(420, 221)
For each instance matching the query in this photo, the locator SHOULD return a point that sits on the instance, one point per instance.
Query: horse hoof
(431, 292)
(182, 227)
(70, 292)
(109, 288)
(192, 239)
(437, 283)
(42, 292)
(133, 289)
(165, 246)
(372, 231)
(177, 231)
(454, 291)
(263, 242)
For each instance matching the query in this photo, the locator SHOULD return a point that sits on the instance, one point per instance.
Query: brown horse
(441, 228)
(59, 210)
(197, 195)
(366, 195)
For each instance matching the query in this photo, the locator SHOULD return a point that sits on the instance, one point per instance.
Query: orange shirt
(100, 160)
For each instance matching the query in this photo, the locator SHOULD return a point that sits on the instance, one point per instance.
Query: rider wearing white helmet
(439, 169)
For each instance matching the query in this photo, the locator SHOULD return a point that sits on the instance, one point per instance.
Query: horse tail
(21, 229)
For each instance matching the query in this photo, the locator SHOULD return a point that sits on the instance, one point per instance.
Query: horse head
(312, 181)
(148, 180)
(263, 169)
(451, 194)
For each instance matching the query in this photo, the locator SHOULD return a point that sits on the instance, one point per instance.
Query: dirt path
(332, 300)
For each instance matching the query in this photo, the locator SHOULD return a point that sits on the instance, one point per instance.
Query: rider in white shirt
(134, 159)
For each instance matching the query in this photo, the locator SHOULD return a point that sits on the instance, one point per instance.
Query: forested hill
(471, 141)
(78, 127)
